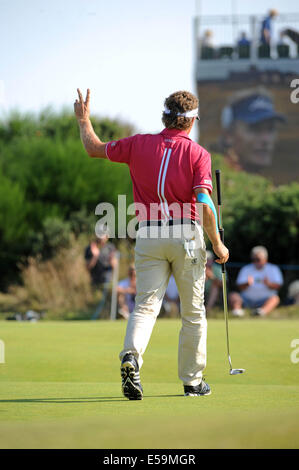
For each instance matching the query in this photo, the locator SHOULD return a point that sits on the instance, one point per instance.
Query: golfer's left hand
(81, 107)
(221, 251)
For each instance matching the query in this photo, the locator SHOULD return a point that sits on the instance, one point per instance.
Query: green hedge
(46, 179)
(257, 213)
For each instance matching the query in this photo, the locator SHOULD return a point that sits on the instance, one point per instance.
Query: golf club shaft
(224, 286)
(226, 315)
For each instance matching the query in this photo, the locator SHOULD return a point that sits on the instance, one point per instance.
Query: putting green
(60, 388)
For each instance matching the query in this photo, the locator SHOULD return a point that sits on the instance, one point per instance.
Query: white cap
(259, 250)
(188, 114)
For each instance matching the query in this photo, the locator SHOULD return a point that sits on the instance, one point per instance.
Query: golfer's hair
(179, 102)
(259, 250)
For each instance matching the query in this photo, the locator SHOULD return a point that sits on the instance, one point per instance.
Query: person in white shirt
(207, 39)
(259, 283)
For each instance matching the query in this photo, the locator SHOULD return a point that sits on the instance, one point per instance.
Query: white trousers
(156, 259)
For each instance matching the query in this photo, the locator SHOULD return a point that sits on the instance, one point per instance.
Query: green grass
(60, 388)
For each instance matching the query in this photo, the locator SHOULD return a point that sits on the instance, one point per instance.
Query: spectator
(206, 47)
(100, 257)
(293, 293)
(258, 283)
(126, 293)
(243, 41)
(266, 30)
(171, 299)
(213, 281)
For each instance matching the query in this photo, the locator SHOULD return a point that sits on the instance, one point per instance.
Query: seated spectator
(258, 283)
(171, 299)
(243, 41)
(213, 281)
(283, 49)
(293, 293)
(126, 292)
(206, 45)
(100, 257)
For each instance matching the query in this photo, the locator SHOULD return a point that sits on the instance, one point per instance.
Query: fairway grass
(60, 388)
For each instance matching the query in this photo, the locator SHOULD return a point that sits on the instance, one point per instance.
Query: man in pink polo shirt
(169, 171)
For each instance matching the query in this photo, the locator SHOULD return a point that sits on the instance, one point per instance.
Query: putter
(221, 232)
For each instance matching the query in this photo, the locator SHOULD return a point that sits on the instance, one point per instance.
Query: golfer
(170, 173)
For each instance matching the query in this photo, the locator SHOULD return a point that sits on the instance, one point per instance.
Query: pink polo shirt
(165, 169)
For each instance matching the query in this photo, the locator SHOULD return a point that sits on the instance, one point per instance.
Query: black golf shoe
(197, 390)
(129, 370)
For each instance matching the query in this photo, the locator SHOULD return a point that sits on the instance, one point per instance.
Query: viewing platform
(225, 59)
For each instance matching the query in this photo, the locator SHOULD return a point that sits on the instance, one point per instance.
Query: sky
(131, 54)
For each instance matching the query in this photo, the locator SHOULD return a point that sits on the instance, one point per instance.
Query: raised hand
(94, 249)
(81, 107)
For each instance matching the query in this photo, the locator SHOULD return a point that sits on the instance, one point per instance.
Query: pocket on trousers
(196, 265)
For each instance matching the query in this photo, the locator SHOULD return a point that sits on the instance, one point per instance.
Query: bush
(257, 213)
(45, 178)
(61, 126)
(58, 284)
(56, 234)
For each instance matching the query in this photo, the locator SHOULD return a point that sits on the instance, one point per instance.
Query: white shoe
(258, 312)
(124, 313)
(238, 312)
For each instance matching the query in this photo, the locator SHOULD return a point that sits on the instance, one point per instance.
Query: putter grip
(218, 185)
(221, 233)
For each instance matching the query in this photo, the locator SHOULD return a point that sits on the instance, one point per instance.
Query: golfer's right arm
(93, 145)
(209, 225)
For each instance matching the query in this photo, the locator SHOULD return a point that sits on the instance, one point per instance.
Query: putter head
(236, 371)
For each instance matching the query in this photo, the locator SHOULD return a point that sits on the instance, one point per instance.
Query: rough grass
(60, 388)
